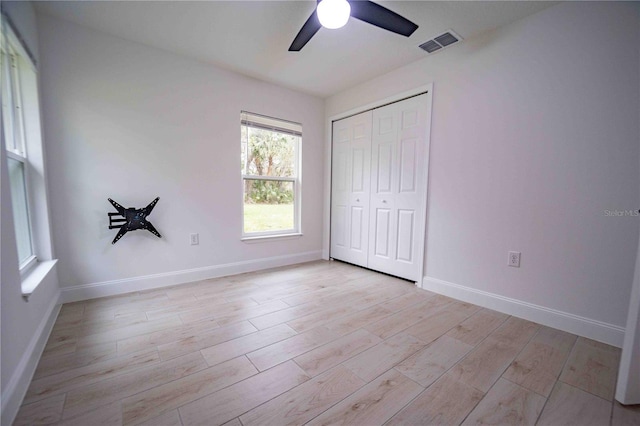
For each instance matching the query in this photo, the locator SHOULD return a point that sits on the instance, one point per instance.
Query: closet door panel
(384, 169)
(357, 233)
(350, 188)
(382, 232)
(408, 159)
(399, 158)
(339, 227)
(357, 171)
(384, 156)
(406, 229)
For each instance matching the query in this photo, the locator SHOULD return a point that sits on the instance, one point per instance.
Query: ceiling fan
(335, 14)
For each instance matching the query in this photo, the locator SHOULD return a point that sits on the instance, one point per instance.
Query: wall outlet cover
(514, 259)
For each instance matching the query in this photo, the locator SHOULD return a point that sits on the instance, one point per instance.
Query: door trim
(326, 233)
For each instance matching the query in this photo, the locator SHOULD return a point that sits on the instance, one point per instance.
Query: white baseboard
(16, 389)
(586, 327)
(148, 282)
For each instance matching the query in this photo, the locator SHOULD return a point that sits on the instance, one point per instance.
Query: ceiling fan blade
(382, 17)
(308, 30)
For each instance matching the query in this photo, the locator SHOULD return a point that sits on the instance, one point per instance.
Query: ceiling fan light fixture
(333, 14)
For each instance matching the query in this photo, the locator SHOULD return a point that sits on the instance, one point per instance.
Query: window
(24, 153)
(270, 175)
(14, 66)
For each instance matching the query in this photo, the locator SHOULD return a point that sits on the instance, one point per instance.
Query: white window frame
(264, 122)
(28, 148)
(16, 149)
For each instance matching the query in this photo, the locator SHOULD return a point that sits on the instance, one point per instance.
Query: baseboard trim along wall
(586, 327)
(148, 282)
(18, 385)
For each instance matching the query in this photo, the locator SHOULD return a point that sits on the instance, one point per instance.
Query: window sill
(32, 279)
(268, 238)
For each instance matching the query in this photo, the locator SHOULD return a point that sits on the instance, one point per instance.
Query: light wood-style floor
(318, 343)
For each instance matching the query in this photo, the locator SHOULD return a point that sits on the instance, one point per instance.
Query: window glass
(268, 206)
(7, 104)
(270, 153)
(20, 210)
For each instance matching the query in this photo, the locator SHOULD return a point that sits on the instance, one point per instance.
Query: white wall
(131, 122)
(534, 135)
(25, 325)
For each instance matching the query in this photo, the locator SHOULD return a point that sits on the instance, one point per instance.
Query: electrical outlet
(514, 259)
(195, 239)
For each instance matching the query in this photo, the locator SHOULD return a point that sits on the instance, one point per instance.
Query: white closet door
(350, 188)
(398, 192)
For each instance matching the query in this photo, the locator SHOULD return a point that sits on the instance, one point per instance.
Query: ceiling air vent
(441, 41)
(430, 46)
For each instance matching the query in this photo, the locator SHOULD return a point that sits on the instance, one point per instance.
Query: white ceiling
(252, 37)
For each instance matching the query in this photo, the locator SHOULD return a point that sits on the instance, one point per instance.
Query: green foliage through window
(268, 192)
(269, 153)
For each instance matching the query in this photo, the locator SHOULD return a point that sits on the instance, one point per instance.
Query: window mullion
(16, 156)
(273, 178)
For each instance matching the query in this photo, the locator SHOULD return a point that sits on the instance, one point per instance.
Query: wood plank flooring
(318, 343)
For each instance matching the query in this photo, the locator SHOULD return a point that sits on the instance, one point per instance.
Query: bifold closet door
(350, 189)
(398, 188)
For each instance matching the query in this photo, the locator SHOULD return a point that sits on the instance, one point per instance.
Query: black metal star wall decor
(131, 219)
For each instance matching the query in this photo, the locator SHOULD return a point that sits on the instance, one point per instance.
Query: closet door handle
(384, 201)
(357, 200)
